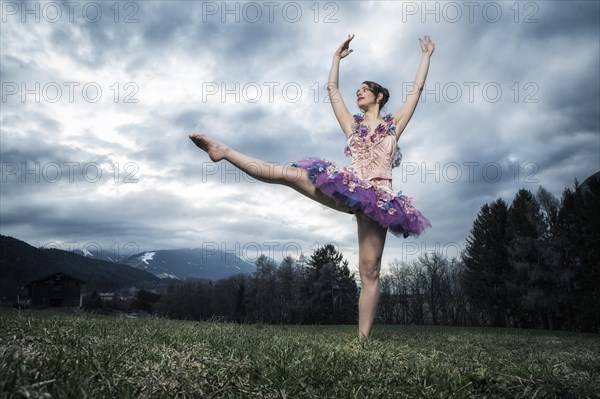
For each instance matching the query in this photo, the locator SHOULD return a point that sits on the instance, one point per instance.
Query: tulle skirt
(393, 211)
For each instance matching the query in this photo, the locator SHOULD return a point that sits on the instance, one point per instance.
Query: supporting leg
(371, 240)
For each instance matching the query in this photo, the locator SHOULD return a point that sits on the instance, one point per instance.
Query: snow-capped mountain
(190, 263)
(95, 252)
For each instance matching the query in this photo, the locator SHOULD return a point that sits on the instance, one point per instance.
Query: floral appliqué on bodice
(374, 154)
(366, 185)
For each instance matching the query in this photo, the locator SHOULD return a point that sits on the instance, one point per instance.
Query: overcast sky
(98, 100)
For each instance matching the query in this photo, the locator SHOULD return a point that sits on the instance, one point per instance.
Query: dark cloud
(178, 44)
(546, 21)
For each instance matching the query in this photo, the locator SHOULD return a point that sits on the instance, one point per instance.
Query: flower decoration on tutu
(384, 193)
(409, 208)
(347, 176)
(393, 211)
(315, 167)
(331, 169)
(387, 206)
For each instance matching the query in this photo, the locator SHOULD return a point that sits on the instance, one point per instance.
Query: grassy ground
(61, 355)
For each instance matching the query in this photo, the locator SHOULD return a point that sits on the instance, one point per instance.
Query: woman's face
(364, 96)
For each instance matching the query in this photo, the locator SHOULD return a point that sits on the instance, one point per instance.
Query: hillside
(21, 263)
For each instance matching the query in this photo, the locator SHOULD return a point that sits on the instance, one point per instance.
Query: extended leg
(296, 178)
(371, 239)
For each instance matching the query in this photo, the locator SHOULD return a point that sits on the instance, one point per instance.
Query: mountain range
(21, 263)
(190, 263)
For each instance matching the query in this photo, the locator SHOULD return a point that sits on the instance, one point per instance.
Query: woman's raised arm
(343, 115)
(402, 117)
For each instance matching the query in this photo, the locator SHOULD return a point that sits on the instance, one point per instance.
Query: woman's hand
(427, 46)
(344, 49)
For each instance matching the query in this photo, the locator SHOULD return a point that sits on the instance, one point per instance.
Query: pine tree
(333, 288)
(486, 267)
(527, 280)
(567, 238)
(286, 289)
(587, 293)
(262, 297)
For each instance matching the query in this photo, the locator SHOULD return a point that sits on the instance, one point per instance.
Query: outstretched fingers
(427, 46)
(344, 48)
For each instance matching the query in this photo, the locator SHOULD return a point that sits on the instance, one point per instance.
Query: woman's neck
(372, 114)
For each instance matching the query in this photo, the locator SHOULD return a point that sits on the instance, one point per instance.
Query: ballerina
(365, 187)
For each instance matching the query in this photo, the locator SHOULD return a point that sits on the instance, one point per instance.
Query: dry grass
(53, 354)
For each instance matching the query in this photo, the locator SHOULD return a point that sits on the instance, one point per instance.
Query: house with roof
(56, 290)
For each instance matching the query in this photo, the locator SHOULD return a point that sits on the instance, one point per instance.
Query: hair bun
(376, 88)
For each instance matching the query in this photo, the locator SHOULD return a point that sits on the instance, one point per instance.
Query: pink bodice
(374, 154)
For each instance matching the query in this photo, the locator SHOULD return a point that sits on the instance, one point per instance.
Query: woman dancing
(364, 188)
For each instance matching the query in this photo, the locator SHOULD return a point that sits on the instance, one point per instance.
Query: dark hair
(376, 88)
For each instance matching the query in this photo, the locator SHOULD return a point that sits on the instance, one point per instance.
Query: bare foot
(215, 149)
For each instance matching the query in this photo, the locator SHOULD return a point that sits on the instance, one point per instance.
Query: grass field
(60, 355)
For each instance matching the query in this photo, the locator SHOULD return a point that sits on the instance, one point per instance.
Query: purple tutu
(395, 212)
